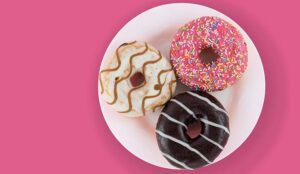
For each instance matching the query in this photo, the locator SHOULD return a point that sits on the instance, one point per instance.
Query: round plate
(243, 101)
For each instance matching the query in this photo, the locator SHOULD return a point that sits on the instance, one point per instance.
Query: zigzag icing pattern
(129, 59)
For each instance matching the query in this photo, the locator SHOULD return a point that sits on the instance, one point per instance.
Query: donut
(137, 59)
(208, 54)
(176, 145)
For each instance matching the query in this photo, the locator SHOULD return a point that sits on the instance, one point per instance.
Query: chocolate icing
(173, 141)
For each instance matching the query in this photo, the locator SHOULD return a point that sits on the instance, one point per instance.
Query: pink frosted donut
(208, 34)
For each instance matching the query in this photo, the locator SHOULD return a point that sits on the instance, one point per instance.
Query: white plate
(243, 101)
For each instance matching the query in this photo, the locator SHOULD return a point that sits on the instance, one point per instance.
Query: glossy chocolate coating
(213, 137)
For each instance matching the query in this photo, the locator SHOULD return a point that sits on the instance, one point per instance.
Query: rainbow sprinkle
(218, 34)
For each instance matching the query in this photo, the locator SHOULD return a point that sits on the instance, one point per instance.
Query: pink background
(50, 119)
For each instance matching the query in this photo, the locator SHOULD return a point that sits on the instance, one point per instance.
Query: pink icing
(224, 39)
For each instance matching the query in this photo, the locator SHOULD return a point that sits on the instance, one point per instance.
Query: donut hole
(208, 55)
(194, 129)
(137, 79)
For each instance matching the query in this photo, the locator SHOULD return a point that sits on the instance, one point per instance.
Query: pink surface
(50, 119)
(228, 42)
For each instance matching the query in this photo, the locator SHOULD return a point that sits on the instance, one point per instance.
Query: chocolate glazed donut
(176, 145)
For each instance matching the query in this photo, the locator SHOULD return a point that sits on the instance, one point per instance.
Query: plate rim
(244, 33)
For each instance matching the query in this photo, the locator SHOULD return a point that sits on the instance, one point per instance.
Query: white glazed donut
(119, 92)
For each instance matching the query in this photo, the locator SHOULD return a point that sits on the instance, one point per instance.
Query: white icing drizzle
(214, 124)
(185, 126)
(176, 161)
(201, 119)
(207, 101)
(183, 144)
(212, 141)
(184, 107)
(173, 120)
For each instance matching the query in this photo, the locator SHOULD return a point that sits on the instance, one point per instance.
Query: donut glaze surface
(117, 88)
(204, 33)
(171, 130)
